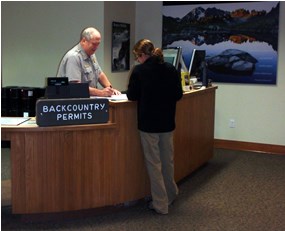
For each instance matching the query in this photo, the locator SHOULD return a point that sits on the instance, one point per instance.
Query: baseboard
(249, 146)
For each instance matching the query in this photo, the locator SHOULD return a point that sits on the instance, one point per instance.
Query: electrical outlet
(232, 123)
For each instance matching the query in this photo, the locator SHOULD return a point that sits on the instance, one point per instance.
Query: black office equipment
(197, 68)
(72, 90)
(16, 100)
(56, 81)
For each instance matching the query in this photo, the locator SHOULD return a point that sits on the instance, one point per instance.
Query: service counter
(68, 168)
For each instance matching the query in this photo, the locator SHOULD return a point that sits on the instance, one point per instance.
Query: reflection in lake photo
(241, 43)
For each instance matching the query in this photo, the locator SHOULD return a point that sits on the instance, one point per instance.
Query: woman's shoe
(150, 206)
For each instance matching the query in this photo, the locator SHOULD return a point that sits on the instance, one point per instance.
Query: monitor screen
(198, 68)
(169, 59)
(172, 55)
(57, 81)
(197, 64)
(72, 90)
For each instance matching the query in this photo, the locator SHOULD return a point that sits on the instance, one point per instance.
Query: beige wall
(35, 35)
(118, 12)
(149, 25)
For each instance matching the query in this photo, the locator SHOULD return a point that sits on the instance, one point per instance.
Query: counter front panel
(67, 168)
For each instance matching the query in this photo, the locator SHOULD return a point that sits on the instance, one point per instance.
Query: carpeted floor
(234, 191)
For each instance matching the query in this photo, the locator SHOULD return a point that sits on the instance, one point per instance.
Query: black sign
(55, 112)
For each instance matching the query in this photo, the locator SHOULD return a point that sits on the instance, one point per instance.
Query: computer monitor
(197, 67)
(72, 90)
(57, 81)
(173, 55)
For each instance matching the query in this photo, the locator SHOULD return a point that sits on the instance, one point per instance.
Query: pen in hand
(115, 92)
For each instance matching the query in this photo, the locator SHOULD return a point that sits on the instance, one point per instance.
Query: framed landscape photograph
(240, 38)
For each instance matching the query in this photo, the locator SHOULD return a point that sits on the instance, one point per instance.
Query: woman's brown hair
(145, 46)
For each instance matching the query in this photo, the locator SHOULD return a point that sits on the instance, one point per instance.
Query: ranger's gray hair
(87, 33)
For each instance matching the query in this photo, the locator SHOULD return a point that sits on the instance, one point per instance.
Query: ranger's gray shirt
(78, 66)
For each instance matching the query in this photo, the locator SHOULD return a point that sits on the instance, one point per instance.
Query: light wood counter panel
(68, 168)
